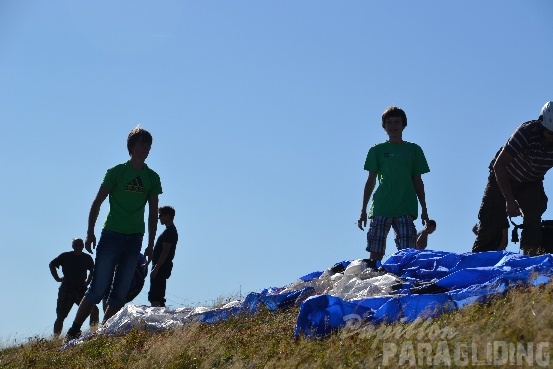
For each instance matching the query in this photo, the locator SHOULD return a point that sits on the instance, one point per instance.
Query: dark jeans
(116, 258)
(532, 201)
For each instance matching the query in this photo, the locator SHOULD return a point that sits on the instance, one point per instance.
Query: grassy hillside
(514, 330)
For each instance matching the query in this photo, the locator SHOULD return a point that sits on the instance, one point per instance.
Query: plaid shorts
(406, 233)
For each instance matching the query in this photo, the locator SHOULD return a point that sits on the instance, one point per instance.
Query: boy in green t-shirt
(129, 186)
(398, 165)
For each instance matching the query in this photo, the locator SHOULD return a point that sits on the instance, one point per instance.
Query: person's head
(166, 213)
(546, 118)
(139, 136)
(394, 112)
(77, 244)
(430, 226)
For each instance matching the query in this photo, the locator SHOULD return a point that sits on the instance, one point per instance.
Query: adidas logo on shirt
(135, 186)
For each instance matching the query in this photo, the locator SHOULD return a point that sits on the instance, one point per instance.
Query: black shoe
(337, 268)
(72, 334)
(370, 263)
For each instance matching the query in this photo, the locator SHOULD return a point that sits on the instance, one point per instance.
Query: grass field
(514, 330)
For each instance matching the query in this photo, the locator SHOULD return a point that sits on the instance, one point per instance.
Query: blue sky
(262, 114)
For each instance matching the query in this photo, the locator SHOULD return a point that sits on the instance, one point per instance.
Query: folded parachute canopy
(434, 282)
(411, 284)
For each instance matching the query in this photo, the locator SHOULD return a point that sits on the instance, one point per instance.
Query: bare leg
(58, 326)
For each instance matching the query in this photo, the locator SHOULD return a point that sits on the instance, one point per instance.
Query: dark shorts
(68, 295)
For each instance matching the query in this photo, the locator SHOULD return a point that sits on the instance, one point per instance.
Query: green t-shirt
(129, 190)
(395, 165)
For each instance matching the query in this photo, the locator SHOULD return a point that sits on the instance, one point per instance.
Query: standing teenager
(129, 186)
(398, 166)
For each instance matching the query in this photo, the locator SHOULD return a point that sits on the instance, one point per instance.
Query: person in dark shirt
(515, 185)
(162, 260)
(74, 266)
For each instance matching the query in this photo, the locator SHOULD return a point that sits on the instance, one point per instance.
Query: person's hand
(362, 222)
(424, 217)
(512, 208)
(90, 240)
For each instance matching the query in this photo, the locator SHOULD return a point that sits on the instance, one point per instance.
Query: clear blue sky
(262, 114)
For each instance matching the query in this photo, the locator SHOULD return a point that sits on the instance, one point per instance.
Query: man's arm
(367, 192)
(502, 177)
(153, 202)
(164, 253)
(419, 189)
(54, 271)
(92, 216)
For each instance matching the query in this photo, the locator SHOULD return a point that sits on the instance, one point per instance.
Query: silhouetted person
(130, 186)
(164, 252)
(74, 266)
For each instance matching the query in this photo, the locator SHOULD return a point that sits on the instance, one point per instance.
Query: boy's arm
(92, 216)
(164, 253)
(419, 189)
(153, 202)
(367, 192)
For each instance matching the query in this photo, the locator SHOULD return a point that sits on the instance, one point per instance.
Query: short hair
(394, 111)
(138, 134)
(169, 210)
(431, 223)
(76, 240)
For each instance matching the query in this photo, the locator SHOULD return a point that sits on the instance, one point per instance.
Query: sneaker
(72, 334)
(370, 263)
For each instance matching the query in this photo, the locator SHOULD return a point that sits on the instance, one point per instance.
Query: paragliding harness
(547, 235)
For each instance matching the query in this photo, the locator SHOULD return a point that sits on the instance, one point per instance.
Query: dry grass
(264, 341)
